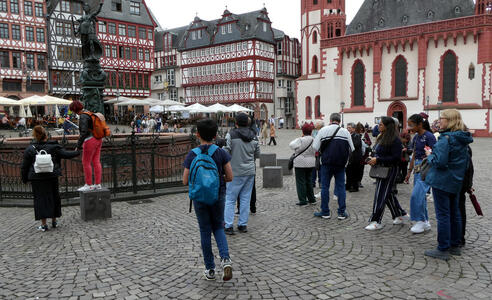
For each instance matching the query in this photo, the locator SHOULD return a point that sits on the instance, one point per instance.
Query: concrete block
(95, 204)
(272, 177)
(284, 163)
(268, 159)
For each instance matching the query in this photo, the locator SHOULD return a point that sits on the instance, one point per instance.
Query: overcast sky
(284, 14)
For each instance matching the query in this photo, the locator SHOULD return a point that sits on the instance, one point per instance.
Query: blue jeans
(327, 173)
(241, 186)
(448, 219)
(316, 174)
(211, 220)
(418, 200)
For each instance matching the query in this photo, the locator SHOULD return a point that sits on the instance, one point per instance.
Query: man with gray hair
(334, 144)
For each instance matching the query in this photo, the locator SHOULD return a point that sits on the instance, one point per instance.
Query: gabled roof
(385, 14)
(145, 17)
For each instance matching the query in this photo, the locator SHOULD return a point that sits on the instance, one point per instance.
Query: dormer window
(457, 10)
(135, 8)
(193, 35)
(116, 5)
(229, 28)
(264, 27)
(199, 34)
(223, 28)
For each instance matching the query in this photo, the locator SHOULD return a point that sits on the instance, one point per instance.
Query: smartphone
(427, 148)
(368, 160)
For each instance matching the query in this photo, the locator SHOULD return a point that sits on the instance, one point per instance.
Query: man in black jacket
(354, 160)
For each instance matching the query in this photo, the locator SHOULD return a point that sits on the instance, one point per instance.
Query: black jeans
(352, 182)
(272, 139)
(462, 208)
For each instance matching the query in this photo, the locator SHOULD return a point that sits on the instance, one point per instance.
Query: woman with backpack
(92, 128)
(43, 175)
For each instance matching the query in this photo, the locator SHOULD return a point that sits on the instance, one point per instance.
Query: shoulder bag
(325, 145)
(294, 156)
(379, 172)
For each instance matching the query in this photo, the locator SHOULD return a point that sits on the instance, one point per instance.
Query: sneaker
(312, 203)
(97, 187)
(301, 204)
(43, 228)
(374, 226)
(401, 220)
(229, 231)
(85, 188)
(436, 253)
(456, 251)
(343, 216)
(318, 195)
(427, 226)
(420, 227)
(242, 229)
(209, 274)
(226, 269)
(321, 215)
(54, 224)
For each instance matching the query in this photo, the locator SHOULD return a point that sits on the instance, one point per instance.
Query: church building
(396, 58)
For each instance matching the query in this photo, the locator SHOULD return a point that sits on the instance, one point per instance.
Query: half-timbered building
(23, 50)
(397, 58)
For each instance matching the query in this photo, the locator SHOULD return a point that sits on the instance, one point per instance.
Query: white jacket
(306, 159)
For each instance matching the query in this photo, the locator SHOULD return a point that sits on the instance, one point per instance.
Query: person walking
(244, 149)
(47, 202)
(304, 163)
(448, 162)
(353, 167)
(272, 135)
(264, 133)
(366, 150)
(423, 140)
(335, 145)
(387, 154)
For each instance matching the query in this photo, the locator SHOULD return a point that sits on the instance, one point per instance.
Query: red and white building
(394, 59)
(23, 50)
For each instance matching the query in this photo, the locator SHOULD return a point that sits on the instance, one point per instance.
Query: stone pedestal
(284, 163)
(268, 159)
(272, 177)
(95, 205)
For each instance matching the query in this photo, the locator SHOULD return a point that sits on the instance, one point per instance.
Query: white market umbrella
(22, 112)
(197, 108)
(118, 100)
(156, 109)
(7, 101)
(169, 102)
(55, 100)
(133, 102)
(57, 112)
(239, 108)
(11, 111)
(219, 108)
(176, 108)
(29, 113)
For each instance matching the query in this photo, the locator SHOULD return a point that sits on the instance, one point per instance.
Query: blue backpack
(204, 180)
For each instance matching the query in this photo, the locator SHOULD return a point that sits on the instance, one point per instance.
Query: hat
(242, 120)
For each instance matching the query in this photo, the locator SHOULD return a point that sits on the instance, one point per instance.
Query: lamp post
(342, 106)
(439, 104)
(427, 105)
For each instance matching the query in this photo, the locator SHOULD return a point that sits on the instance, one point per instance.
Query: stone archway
(398, 110)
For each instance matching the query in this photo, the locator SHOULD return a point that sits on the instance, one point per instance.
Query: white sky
(284, 14)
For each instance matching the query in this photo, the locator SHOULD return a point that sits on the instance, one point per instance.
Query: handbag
(294, 156)
(379, 172)
(423, 169)
(43, 162)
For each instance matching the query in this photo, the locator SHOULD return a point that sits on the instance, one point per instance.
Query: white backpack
(43, 162)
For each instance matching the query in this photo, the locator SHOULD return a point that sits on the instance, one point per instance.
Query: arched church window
(317, 107)
(358, 83)
(315, 37)
(309, 108)
(449, 77)
(314, 67)
(400, 77)
(471, 72)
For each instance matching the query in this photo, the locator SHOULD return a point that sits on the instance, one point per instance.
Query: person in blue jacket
(448, 160)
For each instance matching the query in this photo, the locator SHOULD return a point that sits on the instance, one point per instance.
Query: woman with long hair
(448, 163)
(387, 154)
(424, 139)
(47, 203)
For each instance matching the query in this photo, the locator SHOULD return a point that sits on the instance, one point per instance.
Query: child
(211, 217)
(272, 135)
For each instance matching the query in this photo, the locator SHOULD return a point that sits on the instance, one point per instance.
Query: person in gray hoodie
(242, 144)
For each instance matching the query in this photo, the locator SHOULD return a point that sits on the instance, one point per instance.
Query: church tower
(333, 19)
(483, 7)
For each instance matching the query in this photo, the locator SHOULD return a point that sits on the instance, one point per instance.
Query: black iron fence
(131, 163)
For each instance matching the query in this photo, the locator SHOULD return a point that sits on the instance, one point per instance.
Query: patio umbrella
(22, 112)
(7, 101)
(176, 108)
(239, 108)
(117, 100)
(55, 100)
(197, 108)
(219, 108)
(11, 111)
(29, 113)
(156, 109)
(57, 112)
(169, 102)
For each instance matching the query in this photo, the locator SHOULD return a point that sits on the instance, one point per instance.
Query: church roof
(386, 14)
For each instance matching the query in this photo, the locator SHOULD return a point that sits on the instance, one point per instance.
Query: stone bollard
(272, 177)
(268, 159)
(95, 204)
(284, 163)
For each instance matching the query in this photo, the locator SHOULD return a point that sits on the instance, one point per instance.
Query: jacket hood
(246, 134)
(463, 137)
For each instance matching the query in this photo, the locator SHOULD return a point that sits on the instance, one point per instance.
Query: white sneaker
(318, 195)
(427, 226)
(420, 227)
(96, 187)
(374, 226)
(401, 220)
(85, 188)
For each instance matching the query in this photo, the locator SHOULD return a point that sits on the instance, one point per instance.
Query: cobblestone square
(152, 251)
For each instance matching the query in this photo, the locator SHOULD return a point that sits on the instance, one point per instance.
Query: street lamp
(342, 106)
(439, 104)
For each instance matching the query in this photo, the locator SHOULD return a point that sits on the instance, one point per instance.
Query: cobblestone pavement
(152, 251)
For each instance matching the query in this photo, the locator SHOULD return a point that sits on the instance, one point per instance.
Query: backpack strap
(212, 149)
(197, 151)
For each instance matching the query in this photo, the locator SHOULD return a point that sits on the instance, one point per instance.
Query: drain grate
(135, 202)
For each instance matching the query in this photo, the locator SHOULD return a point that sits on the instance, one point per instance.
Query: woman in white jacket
(304, 164)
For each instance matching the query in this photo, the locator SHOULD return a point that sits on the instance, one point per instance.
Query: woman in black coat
(47, 203)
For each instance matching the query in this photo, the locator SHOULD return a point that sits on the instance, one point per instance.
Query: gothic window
(448, 74)
(317, 107)
(358, 83)
(400, 77)
(314, 67)
(471, 72)
(315, 37)
(309, 108)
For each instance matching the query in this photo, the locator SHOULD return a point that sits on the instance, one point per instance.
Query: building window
(4, 31)
(173, 94)
(3, 5)
(128, 52)
(314, 67)
(150, 34)
(264, 27)
(77, 8)
(112, 28)
(30, 61)
(67, 28)
(358, 83)
(309, 108)
(140, 54)
(16, 60)
(315, 37)
(65, 6)
(114, 52)
(14, 6)
(4, 59)
(471, 72)
(38, 9)
(229, 28)
(116, 5)
(317, 107)
(28, 8)
(193, 35)
(134, 53)
(40, 38)
(315, 2)
(199, 34)
(147, 55)
(59, 28)
(142, 33)
(102, 27)
(29, 34)
(122, 30)
(171, 80)
(132, 31)
(400, 77)
(449, 68)
(134, 8)
(16, 34)
(107, 51)
(41, 62)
